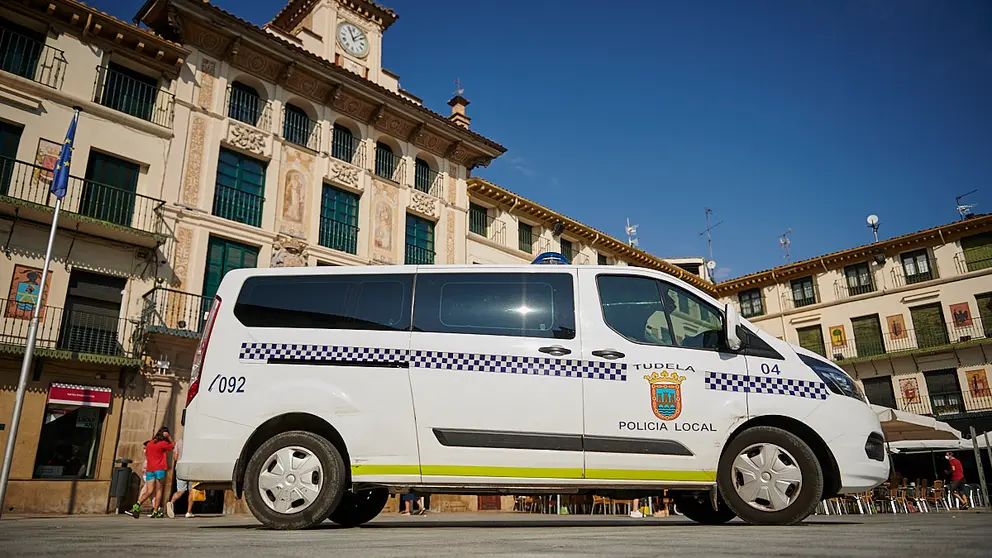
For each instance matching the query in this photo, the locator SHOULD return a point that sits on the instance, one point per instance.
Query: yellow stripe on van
(533, 472)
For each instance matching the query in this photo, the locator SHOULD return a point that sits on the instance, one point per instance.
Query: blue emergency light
(551, 258)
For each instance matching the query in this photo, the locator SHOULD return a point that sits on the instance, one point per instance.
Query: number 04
(765, 369)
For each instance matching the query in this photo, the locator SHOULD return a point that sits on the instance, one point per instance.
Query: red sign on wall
(83, 396)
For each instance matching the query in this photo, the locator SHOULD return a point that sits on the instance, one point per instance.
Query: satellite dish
(711, 265)
(872, 220)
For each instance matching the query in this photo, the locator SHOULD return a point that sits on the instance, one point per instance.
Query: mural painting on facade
(897, 326)
(47, 156)
(385, 223)
(961, 314)
(978, 383)
(297, 177)
(838, 336)
(910, 390)
(24, 287)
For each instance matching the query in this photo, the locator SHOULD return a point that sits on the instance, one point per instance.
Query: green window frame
(419, 240)
(478, 219)
(751, 303)
(977, 251)
(222, 256)
(916, 266)
(929, 326)
(984, 303)
(811, 338)
(867, 331)
(110, 189)
(859, 279)
(566, 249)
(803, 292)
(239, 187)
(525, 237)
(339, 219)
(601, 259)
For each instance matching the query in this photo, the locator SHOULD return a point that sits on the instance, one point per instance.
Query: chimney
(458, 116)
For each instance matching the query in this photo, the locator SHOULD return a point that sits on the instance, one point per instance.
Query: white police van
(316, 392)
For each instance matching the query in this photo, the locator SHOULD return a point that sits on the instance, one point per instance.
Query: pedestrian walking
(182, 487)
(155, 469)
(957, 480)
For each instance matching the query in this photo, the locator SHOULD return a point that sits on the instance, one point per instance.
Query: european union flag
(60, 182)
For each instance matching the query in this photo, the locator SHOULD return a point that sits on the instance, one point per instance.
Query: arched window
(343, 144)
(244, 103)
(424, 177)
(297, 126)
(385, 161)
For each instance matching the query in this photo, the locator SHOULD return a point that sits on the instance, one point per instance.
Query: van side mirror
(731, 321)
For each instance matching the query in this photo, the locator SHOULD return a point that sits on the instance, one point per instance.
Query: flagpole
(22, 382)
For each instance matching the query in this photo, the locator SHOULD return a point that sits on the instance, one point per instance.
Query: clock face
(352, 39)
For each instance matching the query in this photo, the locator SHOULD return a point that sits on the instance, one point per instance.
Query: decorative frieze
(246, 138)
(346, 174)
(423, 204)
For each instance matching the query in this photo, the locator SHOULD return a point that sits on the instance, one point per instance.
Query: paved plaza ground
(519, 535)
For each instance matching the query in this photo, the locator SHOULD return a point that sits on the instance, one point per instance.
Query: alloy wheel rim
(290, 480)
(767, 477)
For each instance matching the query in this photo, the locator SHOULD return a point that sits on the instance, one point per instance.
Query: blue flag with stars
(60, 182)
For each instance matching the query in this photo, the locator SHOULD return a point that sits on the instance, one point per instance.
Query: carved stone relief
(294, 186)
(191, 186)
(246, 138)
(452, 188)
(346, 174)
(423, 204)
(288, 252)
(207, 74)
(352, 106)
(184, 245)
(384, 223)
(449, 239)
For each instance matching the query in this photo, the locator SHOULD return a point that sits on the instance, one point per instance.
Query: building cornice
(938, 235)
(296, 11)
(492, 193)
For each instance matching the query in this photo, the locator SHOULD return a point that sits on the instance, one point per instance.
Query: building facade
(910, 318)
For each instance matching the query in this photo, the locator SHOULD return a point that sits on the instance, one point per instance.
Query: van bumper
(195, 471)
(860, 451)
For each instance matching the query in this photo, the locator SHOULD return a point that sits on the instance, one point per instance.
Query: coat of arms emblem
(666, 394)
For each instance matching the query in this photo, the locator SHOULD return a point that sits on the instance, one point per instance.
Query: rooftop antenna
(784, 242)
(964, 209)
(709, 239)
(458, 86)
(632, 234)
(874, 224)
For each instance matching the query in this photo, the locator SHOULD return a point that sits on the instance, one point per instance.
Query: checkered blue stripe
(466, 362)
(722, 381)
(509, 364)
(265, 351)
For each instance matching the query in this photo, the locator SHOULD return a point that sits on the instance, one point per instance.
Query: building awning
(83, 396)
(901, 426)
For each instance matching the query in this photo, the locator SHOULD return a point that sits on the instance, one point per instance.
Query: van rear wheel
(697, 507)
(294, 480)
(357, 508)
(769, 476)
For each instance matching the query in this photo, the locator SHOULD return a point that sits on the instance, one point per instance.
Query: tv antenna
(874, 224)
(631, 234)
(964, 209)
(784, 242)
(709, 239)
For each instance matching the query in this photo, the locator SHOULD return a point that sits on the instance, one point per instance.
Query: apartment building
(910, 317)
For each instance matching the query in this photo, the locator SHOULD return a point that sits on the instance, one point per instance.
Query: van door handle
(608, 354)
(556, 350)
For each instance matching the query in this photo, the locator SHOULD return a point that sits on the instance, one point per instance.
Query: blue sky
(776, 114)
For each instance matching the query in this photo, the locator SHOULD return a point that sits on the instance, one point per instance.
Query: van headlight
(836, 379)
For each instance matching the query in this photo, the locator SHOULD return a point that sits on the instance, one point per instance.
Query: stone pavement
(495, 534)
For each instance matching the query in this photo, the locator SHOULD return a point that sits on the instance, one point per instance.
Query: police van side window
(695, 324)
(361, 302)
(508, 304)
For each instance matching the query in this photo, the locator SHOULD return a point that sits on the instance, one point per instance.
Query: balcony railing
(942, 404)
(912, 339)
(488, 226)
(63, 329)
(965, 265)
(348, 148)
(390, 166)
(237, 205)
(31, 59)
(900, 279)
(174, 312)
(338, 236)
(419, 256)
(298, 128)
(130, 96)
(842, 289)
(31, 183)
(428, 181)
(789, 302)
(248, 108)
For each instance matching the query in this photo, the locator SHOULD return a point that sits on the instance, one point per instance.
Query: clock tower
(345, 32)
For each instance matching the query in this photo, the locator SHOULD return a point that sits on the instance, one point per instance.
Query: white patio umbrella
(898, 426)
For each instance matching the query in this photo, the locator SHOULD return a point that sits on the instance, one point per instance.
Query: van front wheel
(358, 508)
(697, 507)
(769, 476)
(294, 480)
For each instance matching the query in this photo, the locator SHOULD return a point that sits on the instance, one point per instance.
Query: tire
(357, 508)
(268, 498)
(697, 507)
(799, 476)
